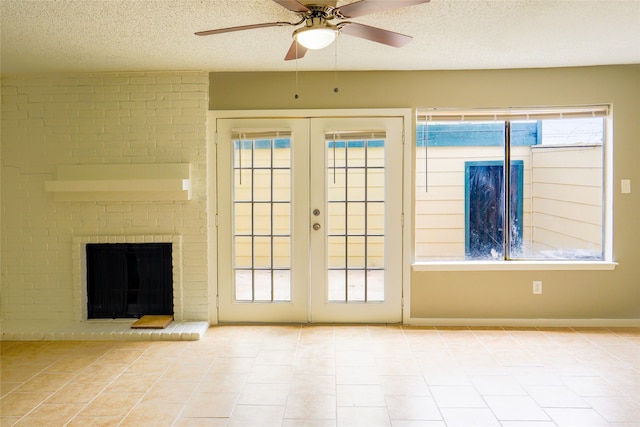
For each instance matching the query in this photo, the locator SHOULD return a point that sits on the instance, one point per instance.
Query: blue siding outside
(476, 134)
(286, 143)
(262, 143)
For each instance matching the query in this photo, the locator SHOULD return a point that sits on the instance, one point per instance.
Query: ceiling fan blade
(296, 51)
(374, 34)
(292, 5)
(243, 27)
(366, 7)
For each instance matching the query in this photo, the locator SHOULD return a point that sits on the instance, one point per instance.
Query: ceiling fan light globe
(315, 38)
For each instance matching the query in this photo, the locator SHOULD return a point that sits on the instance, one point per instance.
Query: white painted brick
(8, 89)
(133, 105)
(200, 96)
(168, 79)
(190, 87)
(14, 115)
(62, 98)
(142, 80)
(85, 119)
(195, 78)
(143, 96)
(117, 81)
(156, 104)
(133, 88)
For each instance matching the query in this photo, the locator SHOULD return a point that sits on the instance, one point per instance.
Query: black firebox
(129, 280)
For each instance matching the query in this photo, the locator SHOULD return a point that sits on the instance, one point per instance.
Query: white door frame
(212, 233)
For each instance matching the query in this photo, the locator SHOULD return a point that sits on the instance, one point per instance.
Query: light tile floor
(296, 376)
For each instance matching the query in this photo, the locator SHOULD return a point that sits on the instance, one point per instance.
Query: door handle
(316, 226)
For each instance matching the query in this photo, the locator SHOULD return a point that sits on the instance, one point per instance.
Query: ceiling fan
(318, 32)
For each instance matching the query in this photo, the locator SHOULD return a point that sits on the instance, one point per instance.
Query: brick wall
(101, 118)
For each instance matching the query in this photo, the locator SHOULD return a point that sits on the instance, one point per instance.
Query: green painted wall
(567, 294)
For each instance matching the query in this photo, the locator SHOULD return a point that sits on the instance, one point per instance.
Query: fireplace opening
(129, 280)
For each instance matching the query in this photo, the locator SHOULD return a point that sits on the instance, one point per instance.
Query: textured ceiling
(122, 35)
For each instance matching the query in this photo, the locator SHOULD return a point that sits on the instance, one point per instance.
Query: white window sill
(512, 265)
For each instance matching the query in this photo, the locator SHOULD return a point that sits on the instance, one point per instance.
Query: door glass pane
(375, 153)
(375, 252)
(375, 218)
(356, 220)
(244, 285)
(281, 219)
(262, 218)
(262, 256)
(243, 252)
(282, 153)
(262, 155)
(336, 184)
(281, 185)
(336, 153)
(335, 218)
(356, 247)
(356, 153)
(337, 249)
(262, 185)
(375, 184)
(282, 252)
(243, 219)
(375, 285)
(282, 285)
(243, 157)
(262, 282)
(356, 286)
(337, 285)
(242, 185)
(355, 217)
(355, 181)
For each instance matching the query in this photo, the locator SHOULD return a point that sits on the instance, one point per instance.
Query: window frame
(524, 113)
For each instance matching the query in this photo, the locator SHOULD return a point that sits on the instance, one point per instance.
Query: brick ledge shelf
(98, 330)
(122, 182)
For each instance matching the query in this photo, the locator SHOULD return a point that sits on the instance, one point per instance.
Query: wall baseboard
(463, 321)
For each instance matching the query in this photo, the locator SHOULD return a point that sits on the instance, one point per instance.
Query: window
(555, 182)
(262, 216)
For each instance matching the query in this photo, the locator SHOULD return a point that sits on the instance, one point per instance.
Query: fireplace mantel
(124, 182)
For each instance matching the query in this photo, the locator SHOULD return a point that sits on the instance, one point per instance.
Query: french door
(310, 219)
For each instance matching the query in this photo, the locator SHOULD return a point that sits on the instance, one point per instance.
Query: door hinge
(217, 301)
(402, 220)
(216, 220)
(215, 138)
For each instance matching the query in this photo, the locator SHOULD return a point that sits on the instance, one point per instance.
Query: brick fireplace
(79, 260)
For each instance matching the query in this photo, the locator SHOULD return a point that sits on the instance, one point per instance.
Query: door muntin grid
(262, 218)
(355, 217)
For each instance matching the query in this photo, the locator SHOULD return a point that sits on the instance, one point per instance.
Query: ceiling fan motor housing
(317, 32)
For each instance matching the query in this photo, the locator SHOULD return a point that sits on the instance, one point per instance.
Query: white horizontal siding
(567, 198)
(562, 198)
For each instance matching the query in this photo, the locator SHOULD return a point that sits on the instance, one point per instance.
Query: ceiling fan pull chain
(335, 70)
(296, 94)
